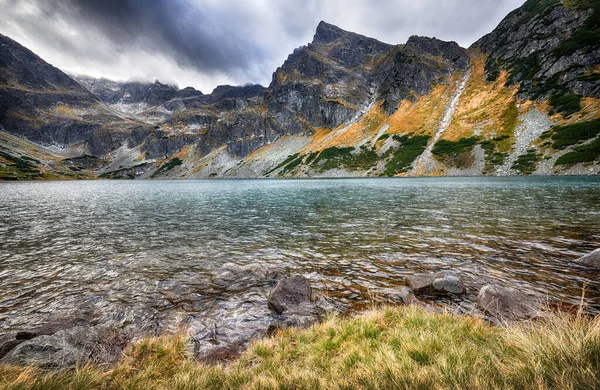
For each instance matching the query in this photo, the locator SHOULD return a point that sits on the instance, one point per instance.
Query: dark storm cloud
(208, 42)
(176, 28)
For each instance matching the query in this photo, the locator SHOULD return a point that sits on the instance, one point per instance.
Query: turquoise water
(115, 245)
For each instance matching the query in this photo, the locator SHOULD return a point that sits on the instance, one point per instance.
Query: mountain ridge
(342, 105)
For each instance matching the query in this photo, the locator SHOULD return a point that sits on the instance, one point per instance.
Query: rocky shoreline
(290, 302)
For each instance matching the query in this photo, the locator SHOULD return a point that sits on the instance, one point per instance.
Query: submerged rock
(506, 303)
(234, 276)
(68, 347)
(436, 284)
(591, 259)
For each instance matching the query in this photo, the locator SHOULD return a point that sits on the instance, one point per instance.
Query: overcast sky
(204, 43)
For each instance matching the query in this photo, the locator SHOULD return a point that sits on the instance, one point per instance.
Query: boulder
(68, 347)
(290, 294)
(247, 316)
(591, 259)
(436, 284)
(9, 342)
(506, 303)
(240, 319)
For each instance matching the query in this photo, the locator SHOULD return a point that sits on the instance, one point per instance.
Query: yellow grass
(423, 116)
(387, 348)
(482, 105)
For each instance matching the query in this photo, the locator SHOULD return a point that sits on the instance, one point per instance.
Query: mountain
(524, 99)
(134, 97)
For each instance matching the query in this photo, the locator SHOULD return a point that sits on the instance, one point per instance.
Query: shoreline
(388, 347)
(171, 179)
(86, 338)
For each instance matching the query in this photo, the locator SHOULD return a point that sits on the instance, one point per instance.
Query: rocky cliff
(524, 99)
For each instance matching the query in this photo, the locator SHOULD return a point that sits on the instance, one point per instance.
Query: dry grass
(389, 348)
(482, 105)
(423, 116)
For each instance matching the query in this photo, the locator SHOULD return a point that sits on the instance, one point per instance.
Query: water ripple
(144, 250)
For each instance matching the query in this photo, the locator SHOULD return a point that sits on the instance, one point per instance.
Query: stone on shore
(290, 294)
(65, 348)
(251, 316)
(436, 284)
(506, 303)
(11, 341)
(591, 259)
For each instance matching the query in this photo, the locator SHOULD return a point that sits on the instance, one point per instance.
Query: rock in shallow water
(240, 277)
(505, 303)
(436, 284)
(590, 260)
(240, 319)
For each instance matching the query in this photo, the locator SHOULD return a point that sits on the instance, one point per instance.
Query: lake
(148, 251)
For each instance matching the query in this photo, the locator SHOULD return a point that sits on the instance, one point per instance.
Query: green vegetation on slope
(454, 152)
(392, 348)
(167, 166)
(526, 163)
(289, 159)
(566, 104)
(18, 168)
(453, 148)
(124, 173)
(492, 69)
(581, 154)
(493, 156)
(402, 157)
(349, 158)
(567, 135)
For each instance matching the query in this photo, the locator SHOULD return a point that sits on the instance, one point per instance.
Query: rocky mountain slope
(524, 99)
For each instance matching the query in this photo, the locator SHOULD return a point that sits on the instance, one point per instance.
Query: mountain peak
(327, 33)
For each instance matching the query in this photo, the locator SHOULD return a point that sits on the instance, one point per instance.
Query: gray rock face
(414, 69)
(505, 303)
(590, 260)
(290, 294)
(436, 284)
(152, 94)
(530, 42)
(44, 105)
(65, 348)
(325, 83)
